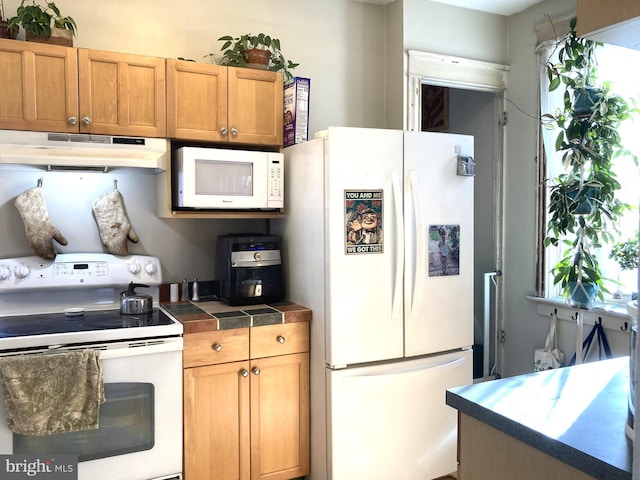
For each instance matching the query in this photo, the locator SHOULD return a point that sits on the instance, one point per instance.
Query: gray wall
(525, 330)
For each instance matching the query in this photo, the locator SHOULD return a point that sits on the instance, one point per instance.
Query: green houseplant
(249, 50)
(626, 253)
(43, 22)
(583, 208)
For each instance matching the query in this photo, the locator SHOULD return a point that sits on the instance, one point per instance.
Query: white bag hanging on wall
(548, 357)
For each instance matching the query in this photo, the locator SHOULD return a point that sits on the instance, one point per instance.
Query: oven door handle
(130, 349)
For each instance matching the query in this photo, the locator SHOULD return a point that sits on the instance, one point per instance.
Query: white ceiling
(501, 7)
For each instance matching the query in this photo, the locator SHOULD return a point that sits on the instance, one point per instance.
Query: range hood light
(70, 168)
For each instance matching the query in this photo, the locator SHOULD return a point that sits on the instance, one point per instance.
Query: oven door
(140, 433)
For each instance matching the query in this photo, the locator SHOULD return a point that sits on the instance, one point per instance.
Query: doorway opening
(454, 95)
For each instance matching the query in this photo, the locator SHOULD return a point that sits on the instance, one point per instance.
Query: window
(621, 67)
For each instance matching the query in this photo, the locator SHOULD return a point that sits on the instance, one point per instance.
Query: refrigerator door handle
(396, 302)
(419, 237)
(400, 370)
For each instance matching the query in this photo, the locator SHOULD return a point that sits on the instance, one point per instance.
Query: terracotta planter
(4, 31)
(59, 36)
(258, 58)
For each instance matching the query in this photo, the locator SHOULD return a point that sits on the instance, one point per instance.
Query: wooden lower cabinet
(247, 419)
(485, 453)
(280, 417)
(216, 422)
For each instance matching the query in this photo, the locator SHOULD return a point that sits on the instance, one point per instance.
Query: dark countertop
(574, 414)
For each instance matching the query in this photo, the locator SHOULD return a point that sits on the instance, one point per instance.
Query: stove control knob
(22, 271)
(150, 268)
(5, 273)
(134, 268)
(257, 256)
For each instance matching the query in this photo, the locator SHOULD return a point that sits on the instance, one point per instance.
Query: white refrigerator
(378, 242)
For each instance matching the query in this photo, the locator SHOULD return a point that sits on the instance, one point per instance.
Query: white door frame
(456, 72)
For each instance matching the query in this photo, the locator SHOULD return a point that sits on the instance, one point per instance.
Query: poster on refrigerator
(444, 250)
(363, 221)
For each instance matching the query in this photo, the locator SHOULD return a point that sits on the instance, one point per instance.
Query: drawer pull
(217, 347)
(256, 371)
(244, 372)
(281, 339)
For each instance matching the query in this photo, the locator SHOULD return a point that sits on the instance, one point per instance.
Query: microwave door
(225, 183)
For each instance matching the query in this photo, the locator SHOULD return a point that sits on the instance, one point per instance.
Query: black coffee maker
(249, 269)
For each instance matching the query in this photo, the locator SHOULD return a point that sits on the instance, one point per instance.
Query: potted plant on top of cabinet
(582, 201)
(257, 51)
(44, 23)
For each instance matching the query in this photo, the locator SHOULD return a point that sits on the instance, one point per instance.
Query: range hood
(77, 151)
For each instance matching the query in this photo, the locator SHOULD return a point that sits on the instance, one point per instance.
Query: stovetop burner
(84, 289)
(49, 323)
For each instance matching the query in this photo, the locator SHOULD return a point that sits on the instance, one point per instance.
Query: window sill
(613, 316)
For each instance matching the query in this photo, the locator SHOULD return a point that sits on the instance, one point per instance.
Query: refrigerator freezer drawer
(391, 421)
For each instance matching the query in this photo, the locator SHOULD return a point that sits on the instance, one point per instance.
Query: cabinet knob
(256, 371)
(217, 347)
(281, 339)
(72, 120)
(234, 131)
(244, 372)
(223, 130)
(86, 120)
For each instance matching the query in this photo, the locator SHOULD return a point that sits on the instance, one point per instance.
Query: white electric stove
(72, 303)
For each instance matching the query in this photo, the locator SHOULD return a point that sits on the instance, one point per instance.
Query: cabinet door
(121, 94)
(280, 417)
(255, 106)
(196, 101)
(39, 87)
(216, 422)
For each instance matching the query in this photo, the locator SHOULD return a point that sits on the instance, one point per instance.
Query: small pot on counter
(134, 303)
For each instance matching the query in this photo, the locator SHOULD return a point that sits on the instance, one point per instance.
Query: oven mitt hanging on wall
(113, 225)
(38, 227)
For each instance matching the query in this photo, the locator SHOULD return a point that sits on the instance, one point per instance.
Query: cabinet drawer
(280, 339)
(209, 348)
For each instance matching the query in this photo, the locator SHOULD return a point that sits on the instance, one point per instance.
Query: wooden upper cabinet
(121, 94)
(208, 102)
(59, 89)
(610, 22)
(255, 106)
(39, 87)
(196, 101)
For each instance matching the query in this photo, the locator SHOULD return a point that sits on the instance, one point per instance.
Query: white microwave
(218, 178)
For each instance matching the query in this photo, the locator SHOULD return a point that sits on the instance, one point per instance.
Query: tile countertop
(209, 316)
(574, 414)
